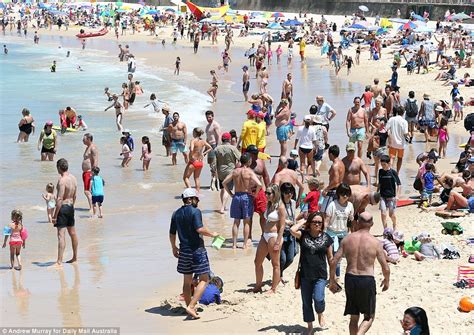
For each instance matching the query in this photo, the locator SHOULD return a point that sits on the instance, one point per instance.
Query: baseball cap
(126, 131)
(260, 115)
(439, 109)
(398, 235)
(49, 123)
(350, 146)
(294, 152)
(251, 112)
(165, 108)
(308, 117)
(189, 193)
(252, 149)
(226, 136)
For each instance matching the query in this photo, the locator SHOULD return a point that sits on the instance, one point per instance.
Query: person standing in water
(63, 216)
(90, 161)
(198, 148)
(178, 134)
(26, 126)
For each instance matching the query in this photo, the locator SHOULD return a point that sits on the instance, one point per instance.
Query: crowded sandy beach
(211, 170)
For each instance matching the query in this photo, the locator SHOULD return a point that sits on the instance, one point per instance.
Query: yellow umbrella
(385, 23)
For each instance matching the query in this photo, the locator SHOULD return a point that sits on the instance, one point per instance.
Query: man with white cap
(306, 138)
(191, 254)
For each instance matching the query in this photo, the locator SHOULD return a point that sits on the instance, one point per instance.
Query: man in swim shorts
(356, 125)
(213, 135)
(178, 135)
(63, 215)
(282, 123)
(90, 161)
(245, 82)
(241, 208)
(166, 140)
(192, 256)
(360, 249)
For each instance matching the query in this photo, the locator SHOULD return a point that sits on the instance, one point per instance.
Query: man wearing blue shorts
(356, 125)
(191, 254)
(282, 123)
(242, 207)
(178, 135)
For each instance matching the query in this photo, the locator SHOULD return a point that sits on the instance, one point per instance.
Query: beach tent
(198, 10)
(153, 12)
(291, 23)
(385, 23)
(418, 17)
(363, 8)
(460, 16)
(357, 26)
(275, 25)
(171, 10)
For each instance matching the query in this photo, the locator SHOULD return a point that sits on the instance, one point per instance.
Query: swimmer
(5, 50)
(50, 199)
(146, 152)
(126, 152)
(53, 67)
(80, 68)
(80, 123)
(68, 53)
(198, 148)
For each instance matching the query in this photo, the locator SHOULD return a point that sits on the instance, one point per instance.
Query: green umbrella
(119, 3)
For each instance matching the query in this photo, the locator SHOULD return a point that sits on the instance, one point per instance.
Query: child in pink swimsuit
(443, 138)
(269, 56)
(146, 152)
(279, 51)
(18, 235)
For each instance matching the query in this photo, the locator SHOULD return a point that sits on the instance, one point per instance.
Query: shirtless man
(259, 198)
(287, 89)
(213, 135)
(178, 134)
(421, 59)
(90, 161)
(360, 250)
(356, 125)
(63, 215)
(285, 175)
(377, 112)
(242, 202)
(376, 89)
(282, 124)
(353, 167)
(336, 174)
(361, 197)
(245, 82)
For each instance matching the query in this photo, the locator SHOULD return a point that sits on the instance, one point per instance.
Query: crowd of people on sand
(328, 222)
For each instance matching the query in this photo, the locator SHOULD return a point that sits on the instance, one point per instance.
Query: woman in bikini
(272, 238)
(198, 148)
(118, 111)
(26, 126)
(126, 96)
(213, 90)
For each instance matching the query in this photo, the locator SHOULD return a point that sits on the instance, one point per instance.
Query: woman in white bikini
(272, 238)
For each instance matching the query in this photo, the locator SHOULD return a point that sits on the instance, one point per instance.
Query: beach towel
(466, 272)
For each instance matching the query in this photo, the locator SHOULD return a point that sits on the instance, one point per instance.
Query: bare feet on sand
(257, 290)
(192, 313)
(72, 260)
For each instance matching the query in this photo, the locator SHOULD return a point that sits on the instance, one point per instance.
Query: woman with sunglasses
(338, 214)
(316, 253)
(288, 248)
(271, 240)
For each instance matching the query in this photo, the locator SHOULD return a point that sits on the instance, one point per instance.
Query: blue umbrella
(397, 20)
(152, 12)
(170, 10)
(2, 5)
(357, 26)
(292, 23)
(274, 25)
(418, 17)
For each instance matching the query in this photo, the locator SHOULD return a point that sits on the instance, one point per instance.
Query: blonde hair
(273, 205)
(50, 188)
(198, 131)
(17, 215)
(315, 182)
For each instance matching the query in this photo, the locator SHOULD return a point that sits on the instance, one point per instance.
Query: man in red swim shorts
(90, 160)
(260, 199)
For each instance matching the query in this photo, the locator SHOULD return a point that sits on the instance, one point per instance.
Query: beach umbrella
(278, 14)
(460, 16)
(2, 5)
(418, 17)
(408, 25)
(385, 23)
(292, 23)
(171, 10)
(381, 31)
(397, 20)
(275, 25)
(254, 14)
(119, 3)
(357, 26)
(153, 12)
(363, 8)
(121, 10)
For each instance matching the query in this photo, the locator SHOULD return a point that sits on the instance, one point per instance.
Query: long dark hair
(310, 218)
(147, 142)
(420, 317)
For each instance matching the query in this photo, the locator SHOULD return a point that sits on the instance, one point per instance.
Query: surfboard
(463, 145)
(405, 202)
(67, 129)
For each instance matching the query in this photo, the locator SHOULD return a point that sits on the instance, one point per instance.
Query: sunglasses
(288, 192)
(268, 193)
(317, 221)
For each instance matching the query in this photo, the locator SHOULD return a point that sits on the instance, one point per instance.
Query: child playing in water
(443, 139)
(18, 235)
(279, 51)
(138, 88)
(146, 152)
(97, 191)
(50, 199)
(153, 101)
(126, 152)
(177, 66)
(389, 246)
(198, 148)
(269, 56)
(80, 123)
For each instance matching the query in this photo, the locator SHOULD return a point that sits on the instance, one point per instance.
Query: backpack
(469, 122)
(411, 108)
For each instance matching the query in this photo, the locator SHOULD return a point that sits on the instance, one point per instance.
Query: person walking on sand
(198, 148)
(316, 252)
(245, 82)
(272, 238)
(360, 250)
(191, 254)
(356, 125)
(282, 124)
(241, 207)
(63, 216)
(90, 161)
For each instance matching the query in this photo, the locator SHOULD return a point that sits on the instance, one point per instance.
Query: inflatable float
(67, 129)
(101, 32)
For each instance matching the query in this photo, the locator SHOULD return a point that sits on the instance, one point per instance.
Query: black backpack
(469, 122)
(411, 108)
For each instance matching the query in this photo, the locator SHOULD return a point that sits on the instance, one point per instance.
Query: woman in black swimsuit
(26, 126)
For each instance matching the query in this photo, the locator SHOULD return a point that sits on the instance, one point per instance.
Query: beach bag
(418, 185)
(412, 109)
(298, 275)
(469, 122)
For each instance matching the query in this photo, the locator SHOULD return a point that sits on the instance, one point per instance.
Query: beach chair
(466, 272)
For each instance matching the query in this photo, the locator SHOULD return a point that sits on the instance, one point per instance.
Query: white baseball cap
(308, 117)
(189, 193)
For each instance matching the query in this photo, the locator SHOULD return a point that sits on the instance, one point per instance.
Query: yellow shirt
(302, 45)
(262, 140)
(250, 133)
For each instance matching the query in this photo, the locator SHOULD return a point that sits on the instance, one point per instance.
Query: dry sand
(126, 291)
